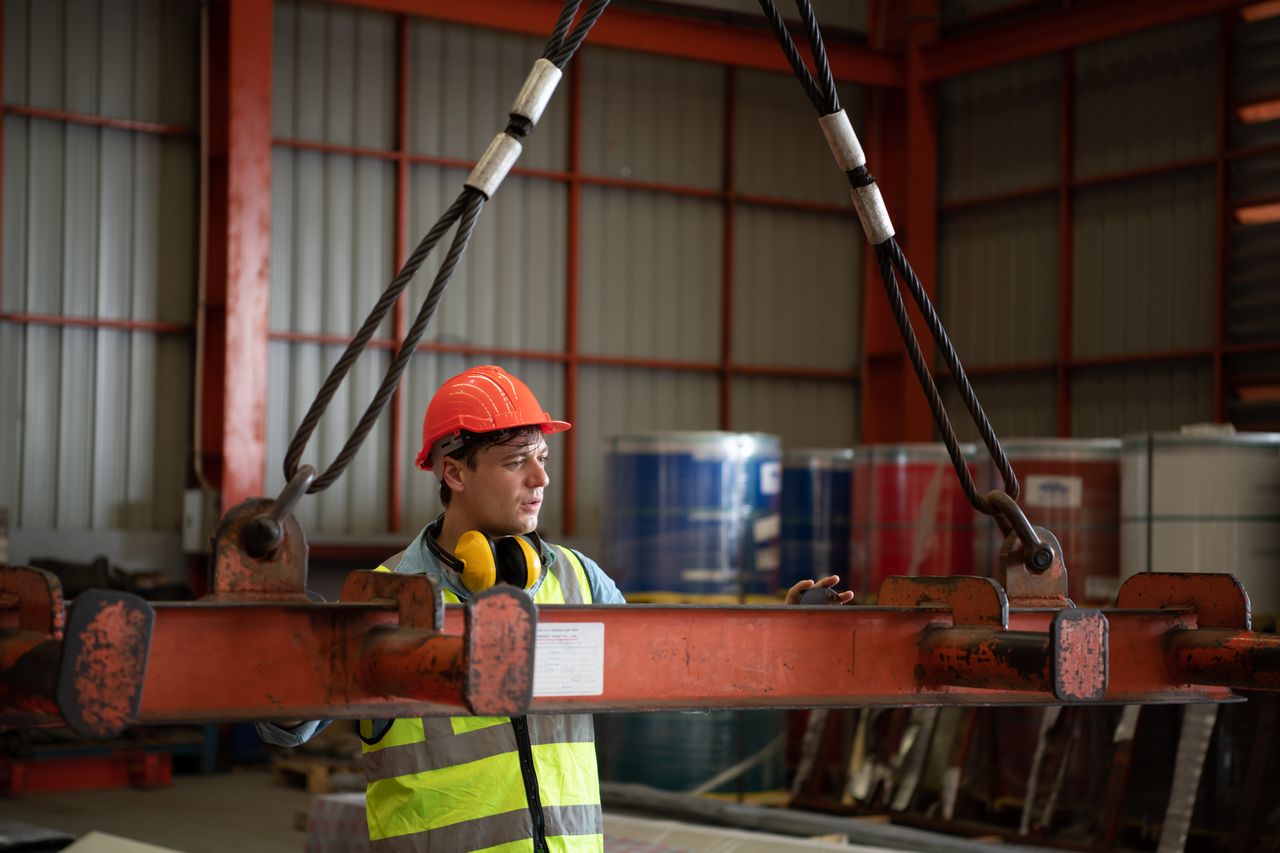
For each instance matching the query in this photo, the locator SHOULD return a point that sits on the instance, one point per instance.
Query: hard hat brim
(548, 427)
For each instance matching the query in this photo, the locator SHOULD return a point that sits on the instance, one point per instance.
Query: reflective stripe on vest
(454, 783)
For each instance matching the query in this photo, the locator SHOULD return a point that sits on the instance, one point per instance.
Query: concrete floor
(245, 810)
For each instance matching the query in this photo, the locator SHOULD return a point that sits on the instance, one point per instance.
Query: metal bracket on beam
(1221, 649)
(87, 669)
(488, 668)
(978, 650)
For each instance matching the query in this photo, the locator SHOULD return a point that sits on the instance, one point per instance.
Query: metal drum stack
(910, 516)
(1204, 500)
(817, 515)
(1072, 487)
(693, 515)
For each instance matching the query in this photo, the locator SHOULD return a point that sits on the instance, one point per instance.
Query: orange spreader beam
(256, 648)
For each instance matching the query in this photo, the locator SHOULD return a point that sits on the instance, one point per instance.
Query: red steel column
(238, 263)
(893, 407)
(921, 221)
(726, 251)
(1066, 240)
(395, 483)
(2, 98)
(572, 282)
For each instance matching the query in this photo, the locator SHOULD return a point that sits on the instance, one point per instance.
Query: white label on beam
(568, 659)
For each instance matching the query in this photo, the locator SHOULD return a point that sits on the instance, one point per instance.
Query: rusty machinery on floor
(257, 647)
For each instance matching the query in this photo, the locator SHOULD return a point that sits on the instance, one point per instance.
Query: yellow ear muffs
(485, 562)
(518, 562)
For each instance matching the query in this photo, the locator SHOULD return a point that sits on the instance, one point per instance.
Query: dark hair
(474, 442)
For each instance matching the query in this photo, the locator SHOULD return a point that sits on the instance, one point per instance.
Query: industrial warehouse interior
(647, 426)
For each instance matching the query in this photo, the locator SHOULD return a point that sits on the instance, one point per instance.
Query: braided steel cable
(825, 79)
(889, 256)
(884, 260)
(793, 56)
(952, 359)
(464, 212)
(574, 40)
(562, 26)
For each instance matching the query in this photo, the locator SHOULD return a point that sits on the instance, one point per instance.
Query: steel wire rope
(465, 210)
(890, 257)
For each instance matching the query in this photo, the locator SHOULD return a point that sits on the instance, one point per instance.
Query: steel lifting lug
(1215, 643)
(264, 533)
(977, 649)
(261, 573)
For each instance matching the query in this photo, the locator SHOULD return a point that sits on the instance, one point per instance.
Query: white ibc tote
(1206, 499)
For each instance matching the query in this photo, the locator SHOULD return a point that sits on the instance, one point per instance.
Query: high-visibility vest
(497, 784)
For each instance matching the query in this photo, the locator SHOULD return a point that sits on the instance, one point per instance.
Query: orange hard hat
(481, 399)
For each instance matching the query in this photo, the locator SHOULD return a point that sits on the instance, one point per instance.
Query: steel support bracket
(491, 661)
(237, 575)
(87, 668)
(978, 649)
(1030, 588)
(1220, 649)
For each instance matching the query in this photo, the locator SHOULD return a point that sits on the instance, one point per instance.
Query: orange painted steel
(258, 648)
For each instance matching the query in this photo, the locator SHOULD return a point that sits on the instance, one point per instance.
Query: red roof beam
(646, 32)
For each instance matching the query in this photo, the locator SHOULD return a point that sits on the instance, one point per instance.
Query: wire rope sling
(1037, 553)
(266, 533)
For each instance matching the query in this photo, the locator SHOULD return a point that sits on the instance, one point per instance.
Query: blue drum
(817, 515)
(693, 514)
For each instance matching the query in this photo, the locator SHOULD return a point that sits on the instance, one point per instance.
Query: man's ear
(451, 473)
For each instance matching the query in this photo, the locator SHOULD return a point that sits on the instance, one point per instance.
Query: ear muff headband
(485, 562)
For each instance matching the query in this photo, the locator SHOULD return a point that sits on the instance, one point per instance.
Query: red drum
(1072, 487)
(910, 516)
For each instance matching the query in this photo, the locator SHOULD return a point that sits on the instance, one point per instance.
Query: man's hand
(793, 594)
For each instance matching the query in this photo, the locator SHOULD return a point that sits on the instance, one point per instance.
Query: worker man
(471, 783)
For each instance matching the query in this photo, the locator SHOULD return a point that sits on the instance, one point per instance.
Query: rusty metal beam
(1061, 29)
(392, 648)
(647, 32)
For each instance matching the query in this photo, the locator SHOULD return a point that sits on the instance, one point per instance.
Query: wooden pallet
(315, 775)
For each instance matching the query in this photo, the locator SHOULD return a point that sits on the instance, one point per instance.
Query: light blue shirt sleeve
(603, 589)
(280, 736)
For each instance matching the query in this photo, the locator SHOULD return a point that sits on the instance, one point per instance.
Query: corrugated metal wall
(332, 242)
(999, 129)
(998, 281)
(1017, 405)
(1147, 99)
(797, 273)
(1116, 400)
(1144, 249)
(1253, 267)
(1144, 265)
(650, 263)
(1143, 244)
(334, 230)
(998, 263)
(95, 427)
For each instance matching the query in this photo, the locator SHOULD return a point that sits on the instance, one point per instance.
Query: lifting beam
(258, 648)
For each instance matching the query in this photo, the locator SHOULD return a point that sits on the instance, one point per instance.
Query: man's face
(502, 496)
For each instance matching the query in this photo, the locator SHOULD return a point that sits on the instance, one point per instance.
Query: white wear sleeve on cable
(493, 167)
(843, 141)
(537, 90)
(871, 210)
